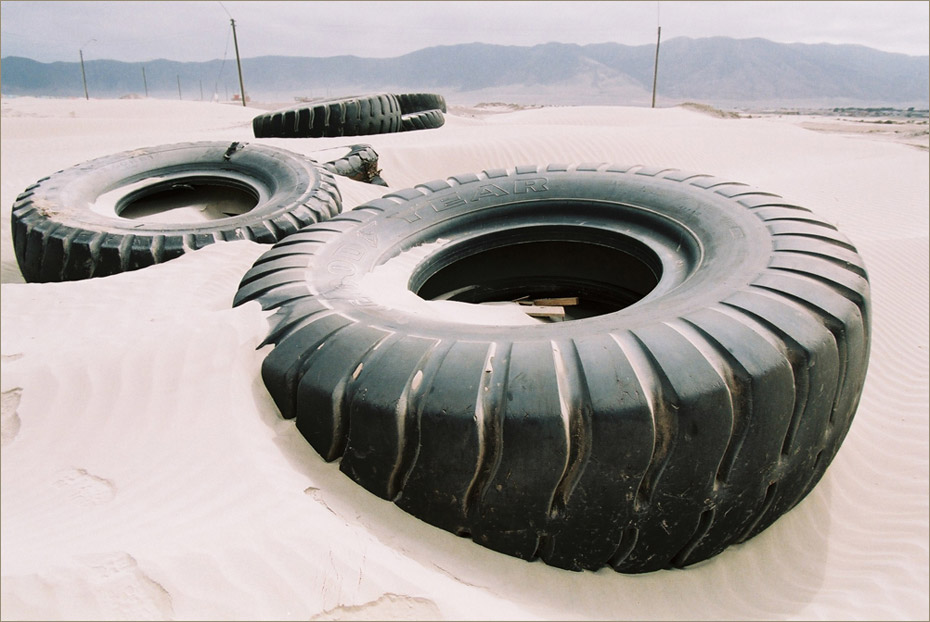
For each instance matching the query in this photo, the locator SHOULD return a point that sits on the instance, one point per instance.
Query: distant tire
(102, 217)
(425, 120)
(350, 116)
(357, 162)
(418, 102)
(716, 362)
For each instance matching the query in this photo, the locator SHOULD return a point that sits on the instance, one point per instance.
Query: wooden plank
(540, 311)
(556, 302)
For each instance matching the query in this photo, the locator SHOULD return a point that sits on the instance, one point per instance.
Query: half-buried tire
(421, 111)
(418, 102)
(137, 208)
(350, 116)
(357, 162)
(716, 358)
(425, 120)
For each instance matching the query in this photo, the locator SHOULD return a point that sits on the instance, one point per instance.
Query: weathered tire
(351, 116)
(417, 102)
(358, 162)
(706, 401)
(425, 120)
(72, 225)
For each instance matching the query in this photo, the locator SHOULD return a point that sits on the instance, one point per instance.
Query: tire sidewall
(724, 246)
(279, 178)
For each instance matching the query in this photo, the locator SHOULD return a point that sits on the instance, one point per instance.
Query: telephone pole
(655, 73)
(238, 63)
(83, 76)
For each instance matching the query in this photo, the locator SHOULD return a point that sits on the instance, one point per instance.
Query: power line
(219, 74)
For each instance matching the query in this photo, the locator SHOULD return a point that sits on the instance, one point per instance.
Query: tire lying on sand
(421, 111)
(716, 358)
(350, 116)
(418, 102)
(137, 208)
(357, 162)
(425, 120)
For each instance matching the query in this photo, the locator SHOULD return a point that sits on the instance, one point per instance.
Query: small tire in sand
(357, 162)
(137, 208)
(425, 120)
(349, 116)
(716, 359)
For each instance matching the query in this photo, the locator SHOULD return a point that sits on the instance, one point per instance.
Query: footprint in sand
(9, 418)
(85, 488)
(124, 590)
(387, 607)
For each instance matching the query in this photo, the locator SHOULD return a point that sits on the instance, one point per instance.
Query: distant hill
(719, 71)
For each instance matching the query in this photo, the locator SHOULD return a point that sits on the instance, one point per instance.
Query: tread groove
(544, 543)
(489, 414)
(819, 238)
(811, 480)
(767, 500)
(287, 326)
(805, 221)
(342, 393)
(798, 359)
(836, 328)
(624, 547)
(417, 388)
(783, 205)
(296, 222)
(96, 241)
(66, 241)
(825, 257)
(575, 403)
(850, 294)
(125, 248)
(661, 399)
(738, 383)
(704, 524)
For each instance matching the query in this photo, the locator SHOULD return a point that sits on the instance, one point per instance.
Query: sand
(146, 473)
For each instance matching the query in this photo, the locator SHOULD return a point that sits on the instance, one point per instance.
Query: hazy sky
(199, 31)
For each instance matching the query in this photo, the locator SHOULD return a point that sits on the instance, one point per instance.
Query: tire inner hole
(188, 200)
(552, 280)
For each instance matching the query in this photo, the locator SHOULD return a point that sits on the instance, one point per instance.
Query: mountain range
(719, 71)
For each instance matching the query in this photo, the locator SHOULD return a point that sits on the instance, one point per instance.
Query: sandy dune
(146, 473)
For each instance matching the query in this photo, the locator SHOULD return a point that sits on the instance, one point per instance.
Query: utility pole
(83, 76)
(655, 73)
(179, 86)
(144, 82)
(238, 64)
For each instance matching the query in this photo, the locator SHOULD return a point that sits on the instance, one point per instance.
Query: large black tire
(72, 225)
(357, 162)
(425, 120)
(350, 116)
(418, 102)
(705, 394)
